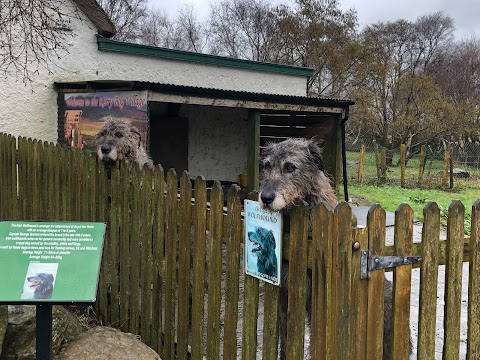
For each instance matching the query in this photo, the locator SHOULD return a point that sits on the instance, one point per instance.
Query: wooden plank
(199, 249)
(147, 256)
(453, 280)
(244, 104)
(297, 119)
(250, 311)
(421, 165)
(233, 235)
(115, 191)
(322, 324)
(125, 199)
(136, 206)
(253, 152)
(375, 308)
(214, 271)
(342, 253)
(297, 271)
(158, 259)
(295, 131)
(359, 294)
(35, 175)
(184, 246)
(428, 282)
(170, 263)
(402, 279)
(473, 335)
(402, 165)
(361, 159)
(102, 300)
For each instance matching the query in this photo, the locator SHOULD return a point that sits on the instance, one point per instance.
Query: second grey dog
(292, 171)
(118, 140)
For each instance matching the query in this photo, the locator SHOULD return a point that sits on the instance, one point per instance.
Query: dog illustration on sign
(39, 281)
(264, 249)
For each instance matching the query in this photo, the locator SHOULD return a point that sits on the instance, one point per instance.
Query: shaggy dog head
(292, 171)
(117, 140)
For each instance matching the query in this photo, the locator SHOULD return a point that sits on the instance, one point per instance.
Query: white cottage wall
(217, 141)
(31, 110)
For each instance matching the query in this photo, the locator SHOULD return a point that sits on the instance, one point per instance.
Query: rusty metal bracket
(369, 263)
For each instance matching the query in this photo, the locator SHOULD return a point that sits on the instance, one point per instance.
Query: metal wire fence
(435, 167)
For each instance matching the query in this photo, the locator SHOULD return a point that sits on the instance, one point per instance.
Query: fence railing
(172, 264)
(440, 167)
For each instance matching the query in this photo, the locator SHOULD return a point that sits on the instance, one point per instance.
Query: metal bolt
(405, 260)
(377, 260)
(356, 245)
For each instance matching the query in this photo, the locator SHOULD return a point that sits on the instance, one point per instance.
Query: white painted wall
(217, 140)
(31, 110)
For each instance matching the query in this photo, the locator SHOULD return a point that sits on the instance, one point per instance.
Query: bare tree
(30, 40)
(185, 32)
(242, 29)
(127, 16)
(400, 101)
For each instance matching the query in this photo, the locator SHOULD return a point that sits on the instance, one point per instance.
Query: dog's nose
(105, 148)
(267, 197)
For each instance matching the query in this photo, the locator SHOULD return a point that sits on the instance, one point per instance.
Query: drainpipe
(344, 154)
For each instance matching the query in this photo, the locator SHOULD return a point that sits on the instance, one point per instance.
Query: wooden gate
(153, 279)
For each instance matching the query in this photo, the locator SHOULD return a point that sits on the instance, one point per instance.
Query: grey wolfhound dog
(292, 171)
(118, 140)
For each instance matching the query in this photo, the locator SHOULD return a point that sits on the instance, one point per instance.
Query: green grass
(390, 195)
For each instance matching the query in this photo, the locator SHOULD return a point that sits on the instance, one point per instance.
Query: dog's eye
(289, 168)
(119, 135)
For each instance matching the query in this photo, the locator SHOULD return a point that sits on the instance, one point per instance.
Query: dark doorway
(169, 142)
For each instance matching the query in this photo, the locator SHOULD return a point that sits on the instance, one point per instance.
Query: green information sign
(50, 261)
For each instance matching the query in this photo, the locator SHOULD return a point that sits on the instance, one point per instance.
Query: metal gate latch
(369, 263)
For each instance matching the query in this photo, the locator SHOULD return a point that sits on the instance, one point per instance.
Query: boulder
(19, 342)
(106, 343)
(3, 324)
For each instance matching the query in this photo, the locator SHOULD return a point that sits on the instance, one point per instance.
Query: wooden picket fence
(157, 253)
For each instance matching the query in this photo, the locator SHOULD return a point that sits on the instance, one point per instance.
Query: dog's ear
(137, 133)
(316, 156)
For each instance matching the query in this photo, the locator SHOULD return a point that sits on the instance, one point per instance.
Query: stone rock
(460, 173)
(106, 343)
(3, 324)
(19, 342)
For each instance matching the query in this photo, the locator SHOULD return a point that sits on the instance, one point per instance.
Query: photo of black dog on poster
(263, 242)
(39, 281)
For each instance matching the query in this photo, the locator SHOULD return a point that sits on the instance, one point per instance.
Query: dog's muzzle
(105, 149)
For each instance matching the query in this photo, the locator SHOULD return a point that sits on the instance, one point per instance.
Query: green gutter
(105, 44)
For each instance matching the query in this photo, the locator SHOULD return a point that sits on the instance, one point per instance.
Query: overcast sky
(465, 13)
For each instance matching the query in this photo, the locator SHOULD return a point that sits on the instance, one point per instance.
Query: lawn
(391, 195)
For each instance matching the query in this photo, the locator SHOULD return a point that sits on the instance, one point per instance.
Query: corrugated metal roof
(205, 92)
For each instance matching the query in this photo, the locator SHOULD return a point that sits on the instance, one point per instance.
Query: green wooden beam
(253, 155)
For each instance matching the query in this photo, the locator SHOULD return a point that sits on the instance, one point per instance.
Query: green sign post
(45, 263)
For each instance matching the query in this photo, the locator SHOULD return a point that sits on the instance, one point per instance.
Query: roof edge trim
(105, 44)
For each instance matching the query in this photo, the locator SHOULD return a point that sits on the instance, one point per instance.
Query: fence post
(421, 166)
(473, 335)
(453, 280)
(446, 160)
(360, 165)
(451, 167)
(402, 165)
